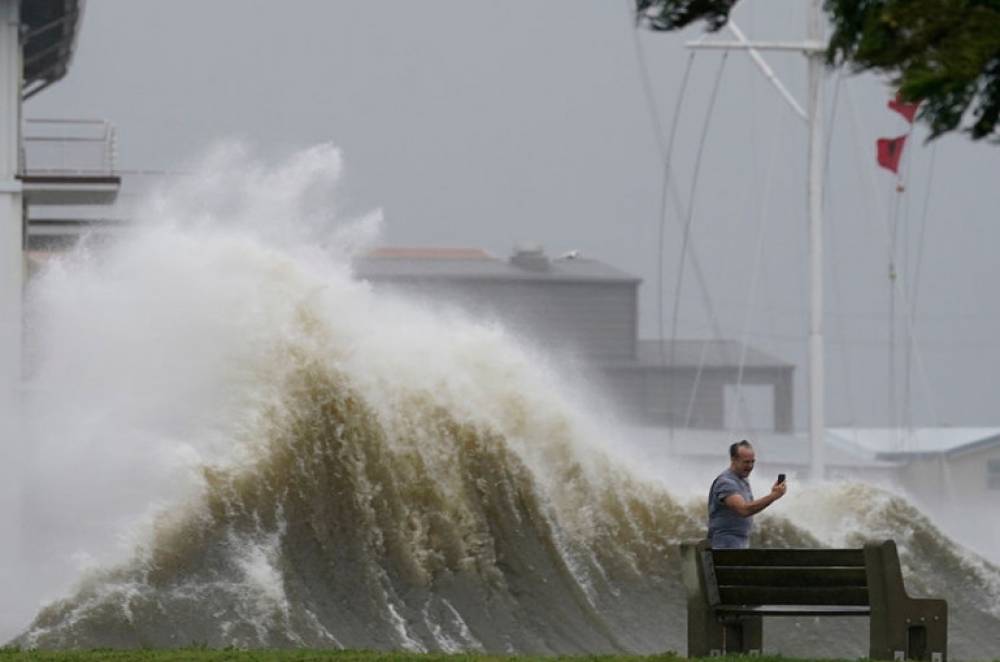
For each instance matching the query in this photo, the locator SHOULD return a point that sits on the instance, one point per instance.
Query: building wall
(960, 493)
(683, 398)
(959, 478)
(781, 380)
(597, 321)
(594, 319)
(662, 396)
(626, 390)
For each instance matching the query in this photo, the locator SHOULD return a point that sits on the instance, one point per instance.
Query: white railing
(69, 147)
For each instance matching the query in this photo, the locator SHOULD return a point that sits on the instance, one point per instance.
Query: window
(993, 474)
(749, 407)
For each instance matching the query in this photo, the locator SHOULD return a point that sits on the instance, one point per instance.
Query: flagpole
(815, 202)
(889, 155)
(814, 48)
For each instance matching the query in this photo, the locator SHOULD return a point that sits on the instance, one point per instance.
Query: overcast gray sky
(482, 123)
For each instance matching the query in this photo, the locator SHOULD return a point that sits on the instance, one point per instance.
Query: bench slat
(854, 558)
(785, 610)
(784, 595)
(790, 576)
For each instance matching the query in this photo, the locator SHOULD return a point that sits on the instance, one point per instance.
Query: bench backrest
(786, 576)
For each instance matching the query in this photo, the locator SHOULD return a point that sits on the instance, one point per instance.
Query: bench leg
(706, 636)
(935, 619)
(745, 635)
(918, 631)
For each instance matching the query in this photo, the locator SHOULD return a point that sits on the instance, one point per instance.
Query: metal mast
(813, 48)
(816, 161)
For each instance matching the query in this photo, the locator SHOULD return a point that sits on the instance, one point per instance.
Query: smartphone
(781, 478)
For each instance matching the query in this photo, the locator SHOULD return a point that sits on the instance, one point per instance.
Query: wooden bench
(729, 591)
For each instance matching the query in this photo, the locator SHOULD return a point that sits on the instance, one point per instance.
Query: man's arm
(745, 508)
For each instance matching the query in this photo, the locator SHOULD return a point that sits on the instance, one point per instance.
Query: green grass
(201, 654)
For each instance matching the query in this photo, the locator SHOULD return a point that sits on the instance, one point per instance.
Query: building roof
(428, 253)
(704, 353)
(899, 444)
(845, 448)
(773, 448)
(475, 264)
(50, 28)
(972, 446)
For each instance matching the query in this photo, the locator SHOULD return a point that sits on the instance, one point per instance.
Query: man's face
(743, 462)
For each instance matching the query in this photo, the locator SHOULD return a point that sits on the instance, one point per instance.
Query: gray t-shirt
(726, 529)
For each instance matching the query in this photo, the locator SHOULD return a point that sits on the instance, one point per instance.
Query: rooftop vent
(530, 256)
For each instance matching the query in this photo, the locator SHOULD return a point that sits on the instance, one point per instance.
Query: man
(731, 505)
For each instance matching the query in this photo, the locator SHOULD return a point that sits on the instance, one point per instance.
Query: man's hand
(745, 508)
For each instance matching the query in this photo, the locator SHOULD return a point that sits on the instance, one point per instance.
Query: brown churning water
(398, 478)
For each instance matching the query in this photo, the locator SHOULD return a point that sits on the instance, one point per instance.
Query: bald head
(742, 458)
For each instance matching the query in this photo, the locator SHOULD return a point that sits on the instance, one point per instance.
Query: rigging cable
(898, 204)
(759, 252)
(917, 354)
(668, 181)
(837, 292)
(915, 286)
(662, 215)
(687, 237)
(666, 150)
(758, 261)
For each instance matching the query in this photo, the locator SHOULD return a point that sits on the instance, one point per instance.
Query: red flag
(907, 110)
(889, 151)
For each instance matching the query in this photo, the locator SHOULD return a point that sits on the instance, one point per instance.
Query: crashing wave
(371, 474)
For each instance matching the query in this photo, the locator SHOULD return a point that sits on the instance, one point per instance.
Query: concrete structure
(589, 309)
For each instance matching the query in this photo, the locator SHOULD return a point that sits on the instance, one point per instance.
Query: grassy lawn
(235, 655)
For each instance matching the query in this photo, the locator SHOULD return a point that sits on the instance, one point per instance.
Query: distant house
(952, 473)
(582, 305)
(937, 464)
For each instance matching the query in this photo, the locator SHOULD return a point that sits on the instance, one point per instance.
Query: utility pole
(813, 48)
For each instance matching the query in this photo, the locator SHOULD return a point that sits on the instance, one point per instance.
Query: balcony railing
(68, 147)
(69, 162)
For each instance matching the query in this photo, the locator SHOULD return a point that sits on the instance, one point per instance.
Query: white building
(37, 38)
